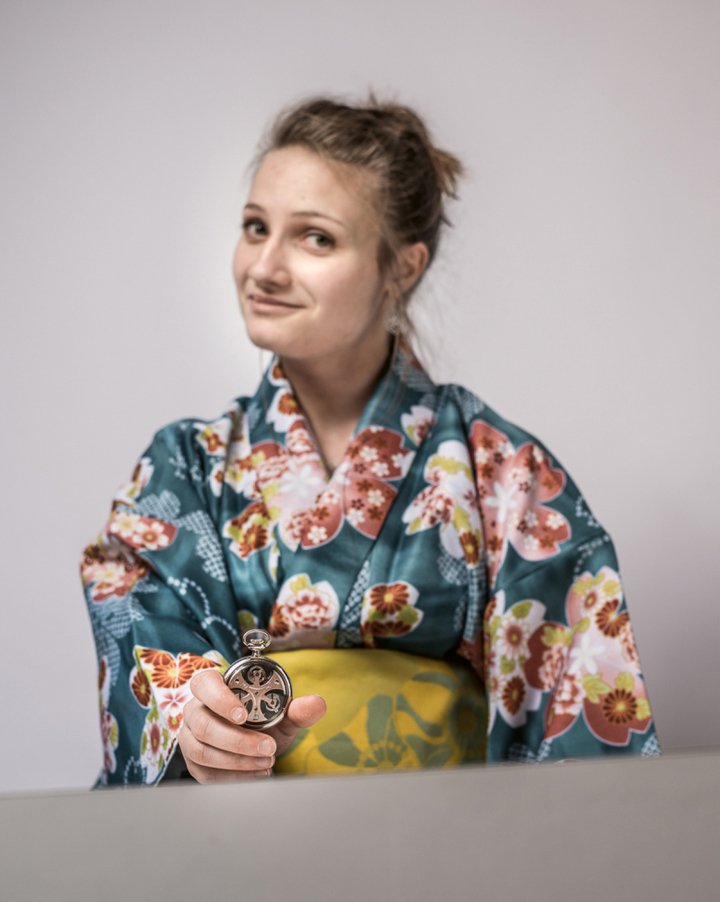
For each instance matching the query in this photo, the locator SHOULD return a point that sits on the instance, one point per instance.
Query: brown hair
(392, 142)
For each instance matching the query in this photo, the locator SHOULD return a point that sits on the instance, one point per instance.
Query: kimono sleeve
(556, 648)
(160, 604)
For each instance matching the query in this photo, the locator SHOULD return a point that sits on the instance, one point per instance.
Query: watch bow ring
(260, 683)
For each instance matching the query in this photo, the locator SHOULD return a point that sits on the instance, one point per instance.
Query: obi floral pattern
(445, 532)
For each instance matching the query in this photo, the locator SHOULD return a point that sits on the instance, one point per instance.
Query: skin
(310, 290)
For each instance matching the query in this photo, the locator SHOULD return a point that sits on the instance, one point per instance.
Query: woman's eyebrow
(316, 213)
(321, 215)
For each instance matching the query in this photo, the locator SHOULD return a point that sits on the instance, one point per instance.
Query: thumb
(302, 712)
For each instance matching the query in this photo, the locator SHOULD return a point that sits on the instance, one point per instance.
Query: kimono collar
(310, 509)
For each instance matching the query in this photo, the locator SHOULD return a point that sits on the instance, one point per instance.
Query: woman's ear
(412, 261)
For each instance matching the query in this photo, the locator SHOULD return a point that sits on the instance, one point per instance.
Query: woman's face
(306, 266)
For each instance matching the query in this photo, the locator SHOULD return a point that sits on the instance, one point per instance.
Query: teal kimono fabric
(445, 532)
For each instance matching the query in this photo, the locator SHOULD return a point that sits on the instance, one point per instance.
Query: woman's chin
(276, 344)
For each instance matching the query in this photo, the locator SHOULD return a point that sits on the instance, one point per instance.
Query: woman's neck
(333, 393)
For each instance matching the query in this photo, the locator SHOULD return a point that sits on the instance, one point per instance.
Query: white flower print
(317, 534)
(583, 655)
(504, 500)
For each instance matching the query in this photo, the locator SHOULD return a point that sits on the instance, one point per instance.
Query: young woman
(432, 580)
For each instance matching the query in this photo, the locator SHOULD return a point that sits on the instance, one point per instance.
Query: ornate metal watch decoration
(260, 683)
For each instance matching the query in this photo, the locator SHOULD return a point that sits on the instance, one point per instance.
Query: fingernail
(266, 747)
(238, 714)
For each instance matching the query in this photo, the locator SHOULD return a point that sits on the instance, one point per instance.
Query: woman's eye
(320, 240)
(253, 228)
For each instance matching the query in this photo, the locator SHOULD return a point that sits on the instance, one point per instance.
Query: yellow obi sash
(386, 710)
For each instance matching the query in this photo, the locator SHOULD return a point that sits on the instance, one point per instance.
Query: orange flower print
(619, 706)
(250, 531)
(513, 694)
(214, 437)
(155, 656)
(609, 622)
(173, 673)
(214, 443)
(383, 629)
(287, 404)
(512, 639)
(471, 546)
(165, 671)
(154, 738)
(284, 410)
(389, 610)
(619, 710)
(391, 598)
(256, 537)
(507, 655)
(140, 687)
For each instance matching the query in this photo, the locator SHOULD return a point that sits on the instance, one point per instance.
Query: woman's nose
(270, 264)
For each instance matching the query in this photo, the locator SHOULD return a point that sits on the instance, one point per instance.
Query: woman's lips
(265, 304)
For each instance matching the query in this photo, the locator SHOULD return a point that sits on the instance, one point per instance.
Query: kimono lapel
(325, 526)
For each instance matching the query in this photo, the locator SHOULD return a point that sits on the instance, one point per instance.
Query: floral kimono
(446, 588)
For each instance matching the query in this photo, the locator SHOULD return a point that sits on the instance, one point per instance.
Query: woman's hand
(215, 745)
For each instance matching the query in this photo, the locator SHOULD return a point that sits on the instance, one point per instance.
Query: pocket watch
(260, 683)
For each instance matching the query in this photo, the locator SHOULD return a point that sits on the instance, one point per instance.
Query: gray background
(576, 294)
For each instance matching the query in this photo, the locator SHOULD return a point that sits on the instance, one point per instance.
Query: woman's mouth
(262, 303)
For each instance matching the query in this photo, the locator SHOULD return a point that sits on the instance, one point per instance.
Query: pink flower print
(172, 701)
(111, 570)
(513, 487)
(141, 533)
(359, 490)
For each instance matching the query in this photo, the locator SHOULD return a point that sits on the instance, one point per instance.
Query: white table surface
(615, 829)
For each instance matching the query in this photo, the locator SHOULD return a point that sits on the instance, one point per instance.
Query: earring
(397, 321)
(393, 322)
